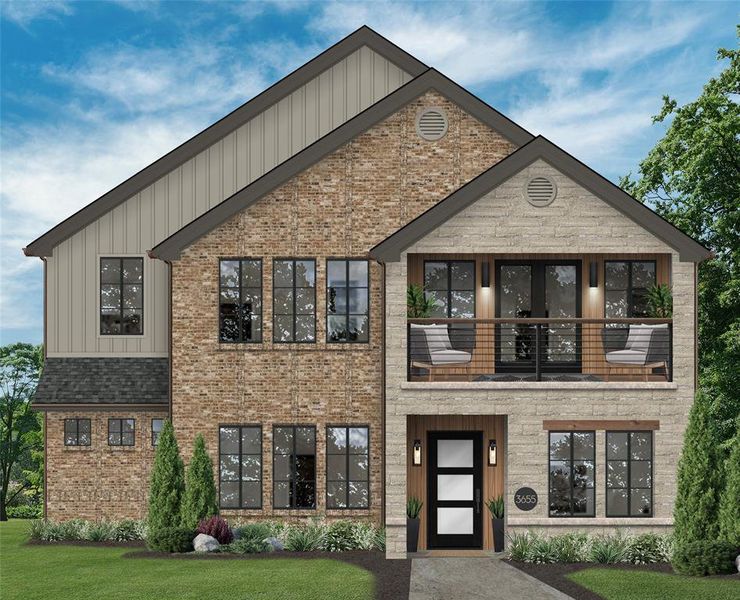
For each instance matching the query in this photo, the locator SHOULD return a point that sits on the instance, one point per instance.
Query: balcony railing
(547, 349)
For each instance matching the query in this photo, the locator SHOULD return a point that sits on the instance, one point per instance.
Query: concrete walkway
(470, 578)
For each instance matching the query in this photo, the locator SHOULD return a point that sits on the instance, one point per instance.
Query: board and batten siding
(159, 210)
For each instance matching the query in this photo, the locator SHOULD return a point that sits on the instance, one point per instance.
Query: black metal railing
(547, 349)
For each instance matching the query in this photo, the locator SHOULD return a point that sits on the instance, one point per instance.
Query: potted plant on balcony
(660, 301)
(418, 305)
(496, 508)
(413, 509)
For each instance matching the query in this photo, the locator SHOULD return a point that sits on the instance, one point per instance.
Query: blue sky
(91, 92)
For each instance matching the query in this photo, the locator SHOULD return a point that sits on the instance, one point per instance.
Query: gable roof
(364, 36)
(170, 248)
(390, 249)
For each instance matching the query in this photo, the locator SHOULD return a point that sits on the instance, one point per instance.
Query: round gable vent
(431, 124)
(540, 191)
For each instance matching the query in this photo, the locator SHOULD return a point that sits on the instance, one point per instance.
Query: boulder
(205, 543)
(275, 544)
(737, 563)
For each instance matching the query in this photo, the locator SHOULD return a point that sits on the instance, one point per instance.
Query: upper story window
(294, 467)
(572, 473)
(76, 432)
(627, 283)
(121, 296)
(452, 286)
(347, 289)
(121, 432)
(156, 430)
(347, 467)
(294, 300)
(629, 474)
(240, 300)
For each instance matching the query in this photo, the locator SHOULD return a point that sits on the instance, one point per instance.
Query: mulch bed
(391, 576)
(555, 574)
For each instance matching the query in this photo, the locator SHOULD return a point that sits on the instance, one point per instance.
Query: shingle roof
(103, 381)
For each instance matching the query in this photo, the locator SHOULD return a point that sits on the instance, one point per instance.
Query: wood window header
(606, 425)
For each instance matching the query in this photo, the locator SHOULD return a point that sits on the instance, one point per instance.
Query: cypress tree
(729, 504)
(167, 482)
(699, 477)
(199, 501)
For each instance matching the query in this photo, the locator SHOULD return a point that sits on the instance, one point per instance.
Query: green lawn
(624, 584)
(60, 572)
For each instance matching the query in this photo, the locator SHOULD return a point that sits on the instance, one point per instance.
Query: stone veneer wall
(503, 222)
(98, 481)
(340, 207)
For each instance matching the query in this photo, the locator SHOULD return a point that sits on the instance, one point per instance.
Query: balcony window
(626, 285)
(451, 284)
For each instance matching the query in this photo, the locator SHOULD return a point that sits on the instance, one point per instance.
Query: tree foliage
(167, 482)
(199, 501)
(729, 505)
(21, 442)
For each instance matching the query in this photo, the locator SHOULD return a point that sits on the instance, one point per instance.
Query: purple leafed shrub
(218, 528)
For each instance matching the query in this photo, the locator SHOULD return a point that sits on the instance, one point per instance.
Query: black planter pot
(498, 535)
(412, 534)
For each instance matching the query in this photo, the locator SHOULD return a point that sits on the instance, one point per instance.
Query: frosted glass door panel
(455, 521)
(454, 487)
(454, 454)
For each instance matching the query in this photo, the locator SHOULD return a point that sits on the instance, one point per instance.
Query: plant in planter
(418, 306)
(660, 301)
(413, 509)
(496, 508)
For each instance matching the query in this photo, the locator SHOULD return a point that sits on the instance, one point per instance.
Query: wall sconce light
(486, 275)
(593, 275)
(492, 453)
(417, 453)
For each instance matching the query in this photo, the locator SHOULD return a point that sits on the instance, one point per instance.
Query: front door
(455, 480)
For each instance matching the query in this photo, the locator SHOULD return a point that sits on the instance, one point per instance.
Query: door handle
(477, 501)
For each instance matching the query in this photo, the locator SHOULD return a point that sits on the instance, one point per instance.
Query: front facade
(252, 286)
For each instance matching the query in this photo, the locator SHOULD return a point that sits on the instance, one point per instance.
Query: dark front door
(532, 289)
(455, 479)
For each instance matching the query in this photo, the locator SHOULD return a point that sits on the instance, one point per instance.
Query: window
(156, 430)
(240, 300)
(121, 296)
(76, 432)
(627, 283)
(629, 474)
(572, 471)
(347, 291)
(240, 466)
(294, 467)
(294, 300)
(121, 432)
(347, 467)
(451, 284)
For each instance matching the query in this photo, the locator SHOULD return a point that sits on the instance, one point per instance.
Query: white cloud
(24, 12)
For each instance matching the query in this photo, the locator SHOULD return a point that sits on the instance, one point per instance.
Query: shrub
(25, 511)
(644, 549)
(171, 539)
(729, 504)
(519, 546)
(367, 537)
(94, 531)
(704, 557)
(102, 531)
(338, 537)
(571, 547)
(125, 531)
(305, 539)
(199, 500)
(608, 549)
(665, 547)
(254, 531)
(543, 551)
(167, 482)
(248, 545)
(218, 528)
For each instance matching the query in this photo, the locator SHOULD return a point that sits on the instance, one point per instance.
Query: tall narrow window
(240, 466)
(629, 474)
(121, 296)
(626, 285)
(294, 300)
(76, 432)
(240, 300)
(347, 467)
(572, 472)
(347, 314)
(294, 467)
(451, 284)
(121, 432)
(156, 430)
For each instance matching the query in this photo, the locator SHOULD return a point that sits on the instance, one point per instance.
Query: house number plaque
(525, 498)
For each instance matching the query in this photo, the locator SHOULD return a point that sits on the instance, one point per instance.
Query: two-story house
(251, 285)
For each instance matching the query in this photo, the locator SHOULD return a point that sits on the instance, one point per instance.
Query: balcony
(568, 350)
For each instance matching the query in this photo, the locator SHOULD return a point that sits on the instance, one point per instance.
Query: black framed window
(156, 430)
(451, 284)
(347, 467)
(240, 466)
(240, 300)
(572, 475)
(347, 300)
(629, 473)
(294, 300)
(121, 432)
(77, 432)
(294, 466)
(626, 284)
(121, 296)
